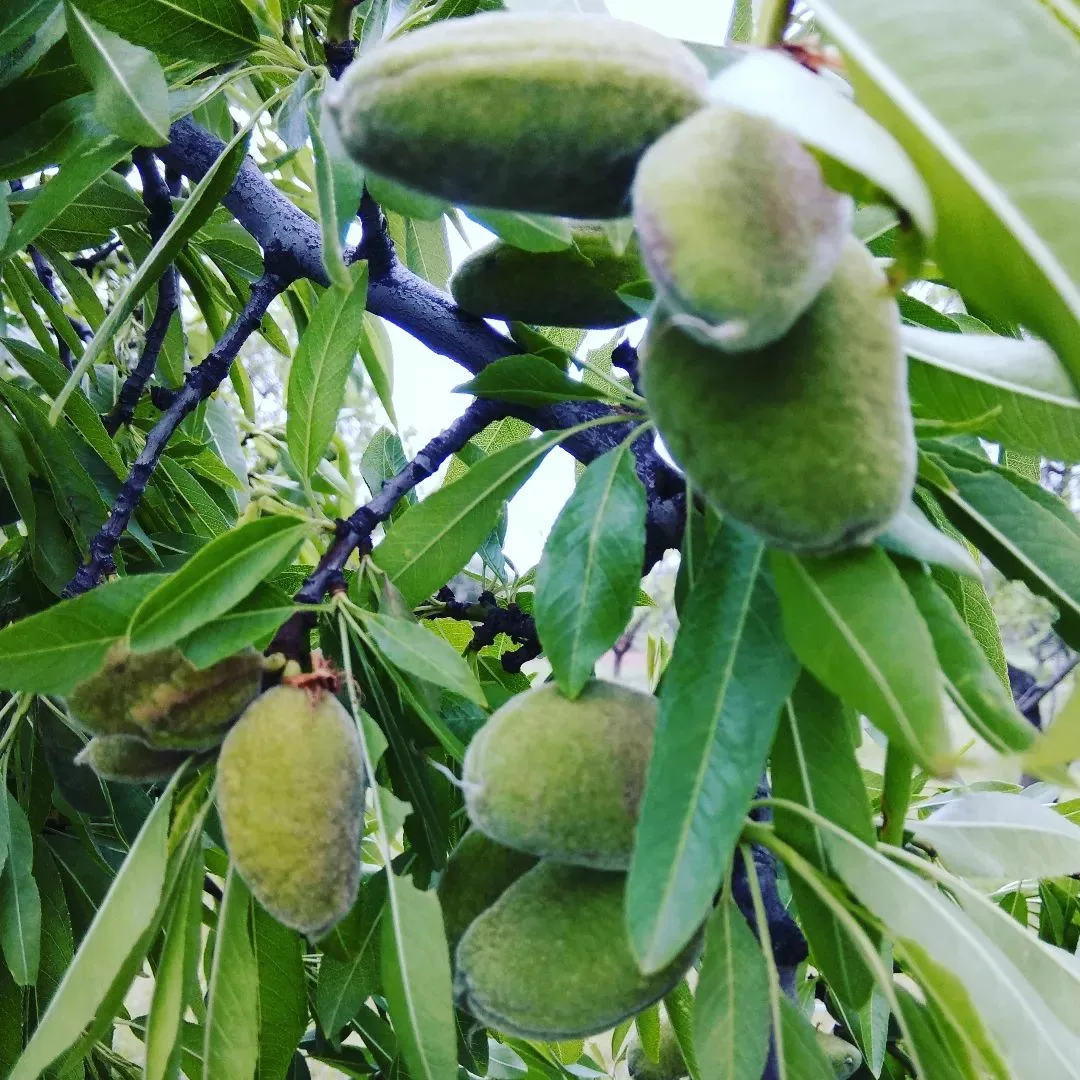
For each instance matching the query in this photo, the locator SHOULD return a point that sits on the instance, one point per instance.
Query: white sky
(423, 382)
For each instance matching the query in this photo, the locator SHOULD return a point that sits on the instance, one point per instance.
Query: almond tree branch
(397, 294)
(156, 196)
(200, 383)
(354, 533)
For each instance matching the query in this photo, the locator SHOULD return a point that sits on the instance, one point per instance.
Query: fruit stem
(775, 16)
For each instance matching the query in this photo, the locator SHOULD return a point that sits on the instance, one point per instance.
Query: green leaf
(970, 680)
(680, 1004)
(911, 533)
(995, 836)
(852, 622)
(20, 903)
(589, 574)
(434, 539)
(122, 919)
(813, 763)
(404, 200)
(207, 193)
(279, 960)
(729, 675)
(1034, 1045)
(255, 618)
(77, 498)
(1053, 973)
(819, 115)
(803, 1057)
(21, 19)
(57, 940)
(50, 375)
(1017, 390)
(53, 651)
(939, 1056)
(214, 580)
(1008, 229)
(525, 379)
(416, 981)
(83, 164)
(320, 370)
(1025, 537)
(132, 98)
(731, 1007)
(175, 976)
(231, 1046)
(208, 31)
(530, 232)
(414, 649)
(15, 471)
(378, 356)
(345, 984)
(423, 247)
(339, 183)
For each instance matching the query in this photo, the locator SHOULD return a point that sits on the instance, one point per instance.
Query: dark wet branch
(200, 383)
(355, 533)
(156, 196)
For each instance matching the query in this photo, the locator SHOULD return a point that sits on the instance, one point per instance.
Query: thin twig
(356, 532)
(199, 384)
(1034, 694)
(158, 202)
(491, 619)
(88, 262)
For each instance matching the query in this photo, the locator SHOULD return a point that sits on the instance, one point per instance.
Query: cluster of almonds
(772, 362)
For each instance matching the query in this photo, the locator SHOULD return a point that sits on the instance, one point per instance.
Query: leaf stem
(895, 793)
(774, 20)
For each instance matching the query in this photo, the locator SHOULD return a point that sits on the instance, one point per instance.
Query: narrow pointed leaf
(411, 647)
(320, 370)
(416, 981)
(852, 622)
(970, 681)
(589, 575)
(731, 1006)
(231, 1046)
(210, 31)
(813, 763)
(125, 914)
(207, 193)
(53, 651)
(434, 539)
(20, 902)
(719, 706)
(279, 961)
(1018, 390)
(175, 976)
(132, 97)
(525, 379)
(214, 580)
(1024, 538)
(1033, 1043)
(1008, 230)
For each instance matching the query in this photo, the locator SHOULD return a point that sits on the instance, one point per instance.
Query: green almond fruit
(738, 228)
(163, 699)
(550, 959)
(477, 873)
(573, 287)
(563, 779)
(537, 113)
(845, 1059)
(128, 760)
(810, 440)
(290, 795)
